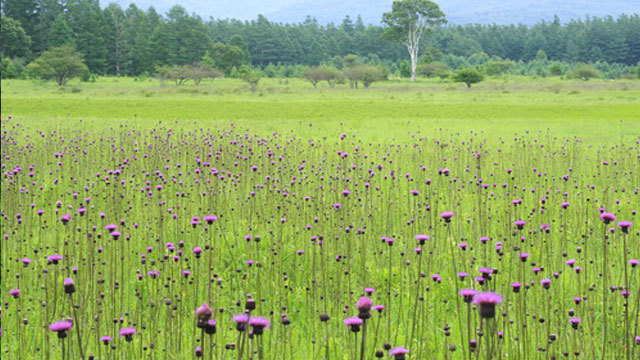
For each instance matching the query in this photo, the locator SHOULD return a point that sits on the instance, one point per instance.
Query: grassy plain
(321, 209)
(389, 110)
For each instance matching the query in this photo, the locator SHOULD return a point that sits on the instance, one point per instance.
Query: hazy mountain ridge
(457, 11)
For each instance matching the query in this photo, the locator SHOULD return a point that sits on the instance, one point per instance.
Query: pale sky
(457, 11)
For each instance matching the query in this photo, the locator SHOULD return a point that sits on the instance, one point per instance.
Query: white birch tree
(408, 21)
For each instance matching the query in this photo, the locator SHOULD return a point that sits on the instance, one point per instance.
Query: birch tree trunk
(414, 63)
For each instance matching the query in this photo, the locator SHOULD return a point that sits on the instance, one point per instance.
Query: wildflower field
(201, 235)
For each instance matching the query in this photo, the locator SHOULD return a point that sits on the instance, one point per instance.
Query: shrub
(584, 72)
(468, 76)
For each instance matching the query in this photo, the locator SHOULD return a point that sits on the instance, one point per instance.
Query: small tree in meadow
(314, 75)
(322, 73)
(370, 74)
(332, 76)
(468, 76)
(61, 63)
(584, 72)
(251, 76)
(494, 68)
(432, 69)
(197, 72)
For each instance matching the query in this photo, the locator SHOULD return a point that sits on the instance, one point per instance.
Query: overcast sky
(457, 11)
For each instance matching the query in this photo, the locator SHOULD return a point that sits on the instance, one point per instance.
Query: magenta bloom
(446, 216)
(607, 217)
(364, 305)
(240, 319)
(487, 302)
(69, 286)
(467, 294)
(106, 339)
(61, 326)
(128, 333)
(399, 352)
(354, 323)
(546, 283)
(625, 226)
(53, 259)
(520, 224)
(210, 219)
(259, 324)
(422, 238)
(369, 291)
(575, 321)
(203, 312)
(15, 293)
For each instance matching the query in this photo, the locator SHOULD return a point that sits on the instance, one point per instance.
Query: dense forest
(134, 41)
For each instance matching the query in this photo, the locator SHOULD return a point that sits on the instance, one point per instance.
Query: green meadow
(595, 110)
(128, 204)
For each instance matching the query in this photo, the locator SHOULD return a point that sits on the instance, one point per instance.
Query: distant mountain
(457, 11)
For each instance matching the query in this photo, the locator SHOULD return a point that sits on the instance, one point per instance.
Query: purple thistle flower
(210, 327)
(607, 217)
(259, 324)
(520, 224)
(446, 216)
(369, 291)
(487, 302)
(241, 321)
(625, 226)
(210, 219)
(69, 286)
(398, 353)
(546, 283)
(575, 321)
(197, 251)
(106, 339)
(354, 323)
(364, 305)
(15, 293)
(204, 312)
(128, 333)
(421, 238)
(516, 287)
(61, 326)
(467, 294)
(54, 259)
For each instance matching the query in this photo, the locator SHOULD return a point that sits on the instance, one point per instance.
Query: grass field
(498, 222)
(498, 107)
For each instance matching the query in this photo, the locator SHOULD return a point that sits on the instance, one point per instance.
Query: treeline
(132, 41)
